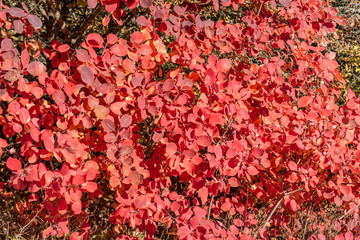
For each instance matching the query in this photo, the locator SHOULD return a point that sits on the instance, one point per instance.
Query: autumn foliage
(192, 128)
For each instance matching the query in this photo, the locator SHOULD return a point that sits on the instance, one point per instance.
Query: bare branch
(85, 25)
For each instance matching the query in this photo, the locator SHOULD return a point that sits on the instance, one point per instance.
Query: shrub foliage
(193, 120)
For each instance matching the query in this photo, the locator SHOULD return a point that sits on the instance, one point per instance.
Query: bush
(176, 120)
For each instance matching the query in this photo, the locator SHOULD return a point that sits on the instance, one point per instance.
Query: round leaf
(34, 21)
(87, 75)
(13, 164)
(304, 101)
(36, 68)
(125, 120)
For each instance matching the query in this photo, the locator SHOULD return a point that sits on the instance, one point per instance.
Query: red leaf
(216, 5)
(24, 115)
(87, 75)
(13, 164)
(64, 48)
(238, 222)
(339, 237)
(105, 21)
(109, 138)
(62, 206)
(304, 101)
(135, 178)
(136, 37)
(252, 170)
(265, 163)
(59, 97)
(48, 177)
(6, 44)
(116, 107)
(137, 80)
(216, 118)
(69, 149)
(17, 12)
(129, 65)
(125, 120)
(223, 65)
(76, 207)
(203, 194)
(158, 135)
(179, 10)
(101, 111)
(24, 7)
(25, 58)
(168, 85)
(108, 125)
(36, 68)
(82, 55)
(141, 201)
(91, 165)
(258, 152)
(285, 3)
(338, 201)
(126, 150)
(78, 179)
(218, 152)
(349, 236)
(171, 149)
(48, 231)
(184, 231)
(146, 3)
(293, 166)
(159, 15)
(91, 186)
(293, 205)
(234, 229)
(3, 143)
(234, 182)
(18, 26)
(13, 107)
(11, 76)
(204, 141)
(34, 21)
(346, 190)
(17, 127)
(143, 21)
(111, 39)
(95, 40)
(105, 88)
(119, 50)
(92, 3)
(48, 138)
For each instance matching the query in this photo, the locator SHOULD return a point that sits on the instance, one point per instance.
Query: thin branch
(211, 201)
(85, 25)
(28, 224)
(276, 206)
(289, 193)
(272, 212)
(260, 9)
(58, 16)
(347, 213)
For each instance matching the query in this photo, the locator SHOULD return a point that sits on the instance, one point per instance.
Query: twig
(34, 7)
(86, 24)
(272, 212)
(347, 213)
(211, 201)
(260, 9)
(57, 13)
(276, 206)
(289, 193)
(27, 225)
